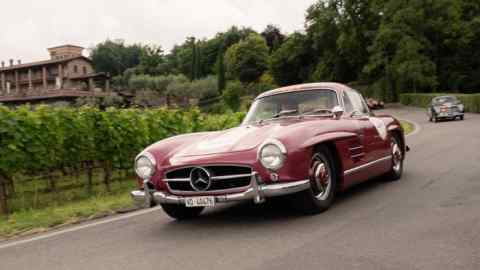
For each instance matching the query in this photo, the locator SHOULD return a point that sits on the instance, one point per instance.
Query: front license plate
(200, 201)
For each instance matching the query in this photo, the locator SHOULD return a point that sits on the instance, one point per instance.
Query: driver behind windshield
(311, 102)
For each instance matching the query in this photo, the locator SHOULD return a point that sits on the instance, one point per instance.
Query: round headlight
(272, 154)
(145, 165)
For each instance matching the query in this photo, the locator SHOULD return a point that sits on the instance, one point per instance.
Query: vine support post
(107, 167)
(3, 196)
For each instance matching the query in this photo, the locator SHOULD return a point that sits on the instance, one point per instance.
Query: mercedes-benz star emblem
(200, 179)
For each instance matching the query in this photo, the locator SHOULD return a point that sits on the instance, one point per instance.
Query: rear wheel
(323, 184)
(396, 171)
(181, 212)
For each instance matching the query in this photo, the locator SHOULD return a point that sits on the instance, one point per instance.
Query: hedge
(471, 101)
(46, 139)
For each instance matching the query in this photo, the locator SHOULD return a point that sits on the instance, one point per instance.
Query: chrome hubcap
(396, 156)
(321, 179)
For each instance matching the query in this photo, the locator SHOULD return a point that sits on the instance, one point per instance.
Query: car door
(371, 130)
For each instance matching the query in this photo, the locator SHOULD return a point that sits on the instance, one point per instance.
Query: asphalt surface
(430, 219)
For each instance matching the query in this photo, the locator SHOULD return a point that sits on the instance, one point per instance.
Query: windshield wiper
(284, 112)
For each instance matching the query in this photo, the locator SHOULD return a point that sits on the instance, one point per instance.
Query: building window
(85, 70)
(75, 69)
(58, 83)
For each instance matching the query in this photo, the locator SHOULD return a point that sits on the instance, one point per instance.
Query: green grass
(407, 126)
(34, 193)
(34, 207)
(41, 219)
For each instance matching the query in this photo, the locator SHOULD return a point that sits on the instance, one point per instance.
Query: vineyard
(81, 145)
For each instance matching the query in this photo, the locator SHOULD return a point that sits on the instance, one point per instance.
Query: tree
(194, 60)
(204, 88)
(289, 64)
(248, 59)
(412, 45)
(273, 36)
(322, 33)
(151, 60)
(231, 95)
(221, 81)
(115, 57)
(234, 35)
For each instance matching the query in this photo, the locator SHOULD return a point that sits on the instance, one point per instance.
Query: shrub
(47, 139)
(231, 95)
(205, 88)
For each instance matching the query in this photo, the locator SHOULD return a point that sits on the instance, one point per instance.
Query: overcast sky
(28, 27)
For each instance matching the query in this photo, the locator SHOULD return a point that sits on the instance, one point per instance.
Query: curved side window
(359, 107)
(347, 103)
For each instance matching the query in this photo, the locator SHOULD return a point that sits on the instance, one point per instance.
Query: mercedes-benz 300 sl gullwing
(304, 142)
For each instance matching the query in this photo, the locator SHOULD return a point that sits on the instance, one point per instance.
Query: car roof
(439, 97)
(338, 87)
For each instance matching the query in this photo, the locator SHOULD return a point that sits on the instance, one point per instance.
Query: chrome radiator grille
(221, 177)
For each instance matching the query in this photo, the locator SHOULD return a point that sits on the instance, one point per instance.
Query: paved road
(428, 220)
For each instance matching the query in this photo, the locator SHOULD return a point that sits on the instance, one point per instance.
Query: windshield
(441, 100)
(291, 104)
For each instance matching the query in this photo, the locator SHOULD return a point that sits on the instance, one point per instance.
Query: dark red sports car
(307, 141)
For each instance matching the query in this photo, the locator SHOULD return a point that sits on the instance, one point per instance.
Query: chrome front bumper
(450, 115)
(256, 191)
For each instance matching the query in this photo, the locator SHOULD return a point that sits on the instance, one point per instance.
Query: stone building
(66, 76)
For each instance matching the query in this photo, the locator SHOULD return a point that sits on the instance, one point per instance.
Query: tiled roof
(66, 45)
(42, 63)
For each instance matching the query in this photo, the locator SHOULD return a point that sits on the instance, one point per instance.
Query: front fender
(327, 137)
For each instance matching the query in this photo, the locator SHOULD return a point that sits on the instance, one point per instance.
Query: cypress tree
(221, 70)
(194, 59)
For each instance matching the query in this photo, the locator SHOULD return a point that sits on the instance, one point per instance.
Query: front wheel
(181, 212)
(462, 117)
(396, 171)
(323, 184)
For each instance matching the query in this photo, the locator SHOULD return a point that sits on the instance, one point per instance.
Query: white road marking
(77, 228)
(417, 127)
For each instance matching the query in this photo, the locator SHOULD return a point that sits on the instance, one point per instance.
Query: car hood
(249, 137)
(242, 138)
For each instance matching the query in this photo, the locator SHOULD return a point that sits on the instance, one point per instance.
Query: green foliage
(289, 63)
(273, 36)
(221, 83)
(180, 87)
(115, 57)
(231, 95)
(412, 45)
(158, 84)
(48, 139)
(248, 59)
(471, 101)
(151, 60)
(391, 45)
(205, 88)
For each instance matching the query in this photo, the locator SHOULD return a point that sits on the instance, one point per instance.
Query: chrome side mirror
(337, 112)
